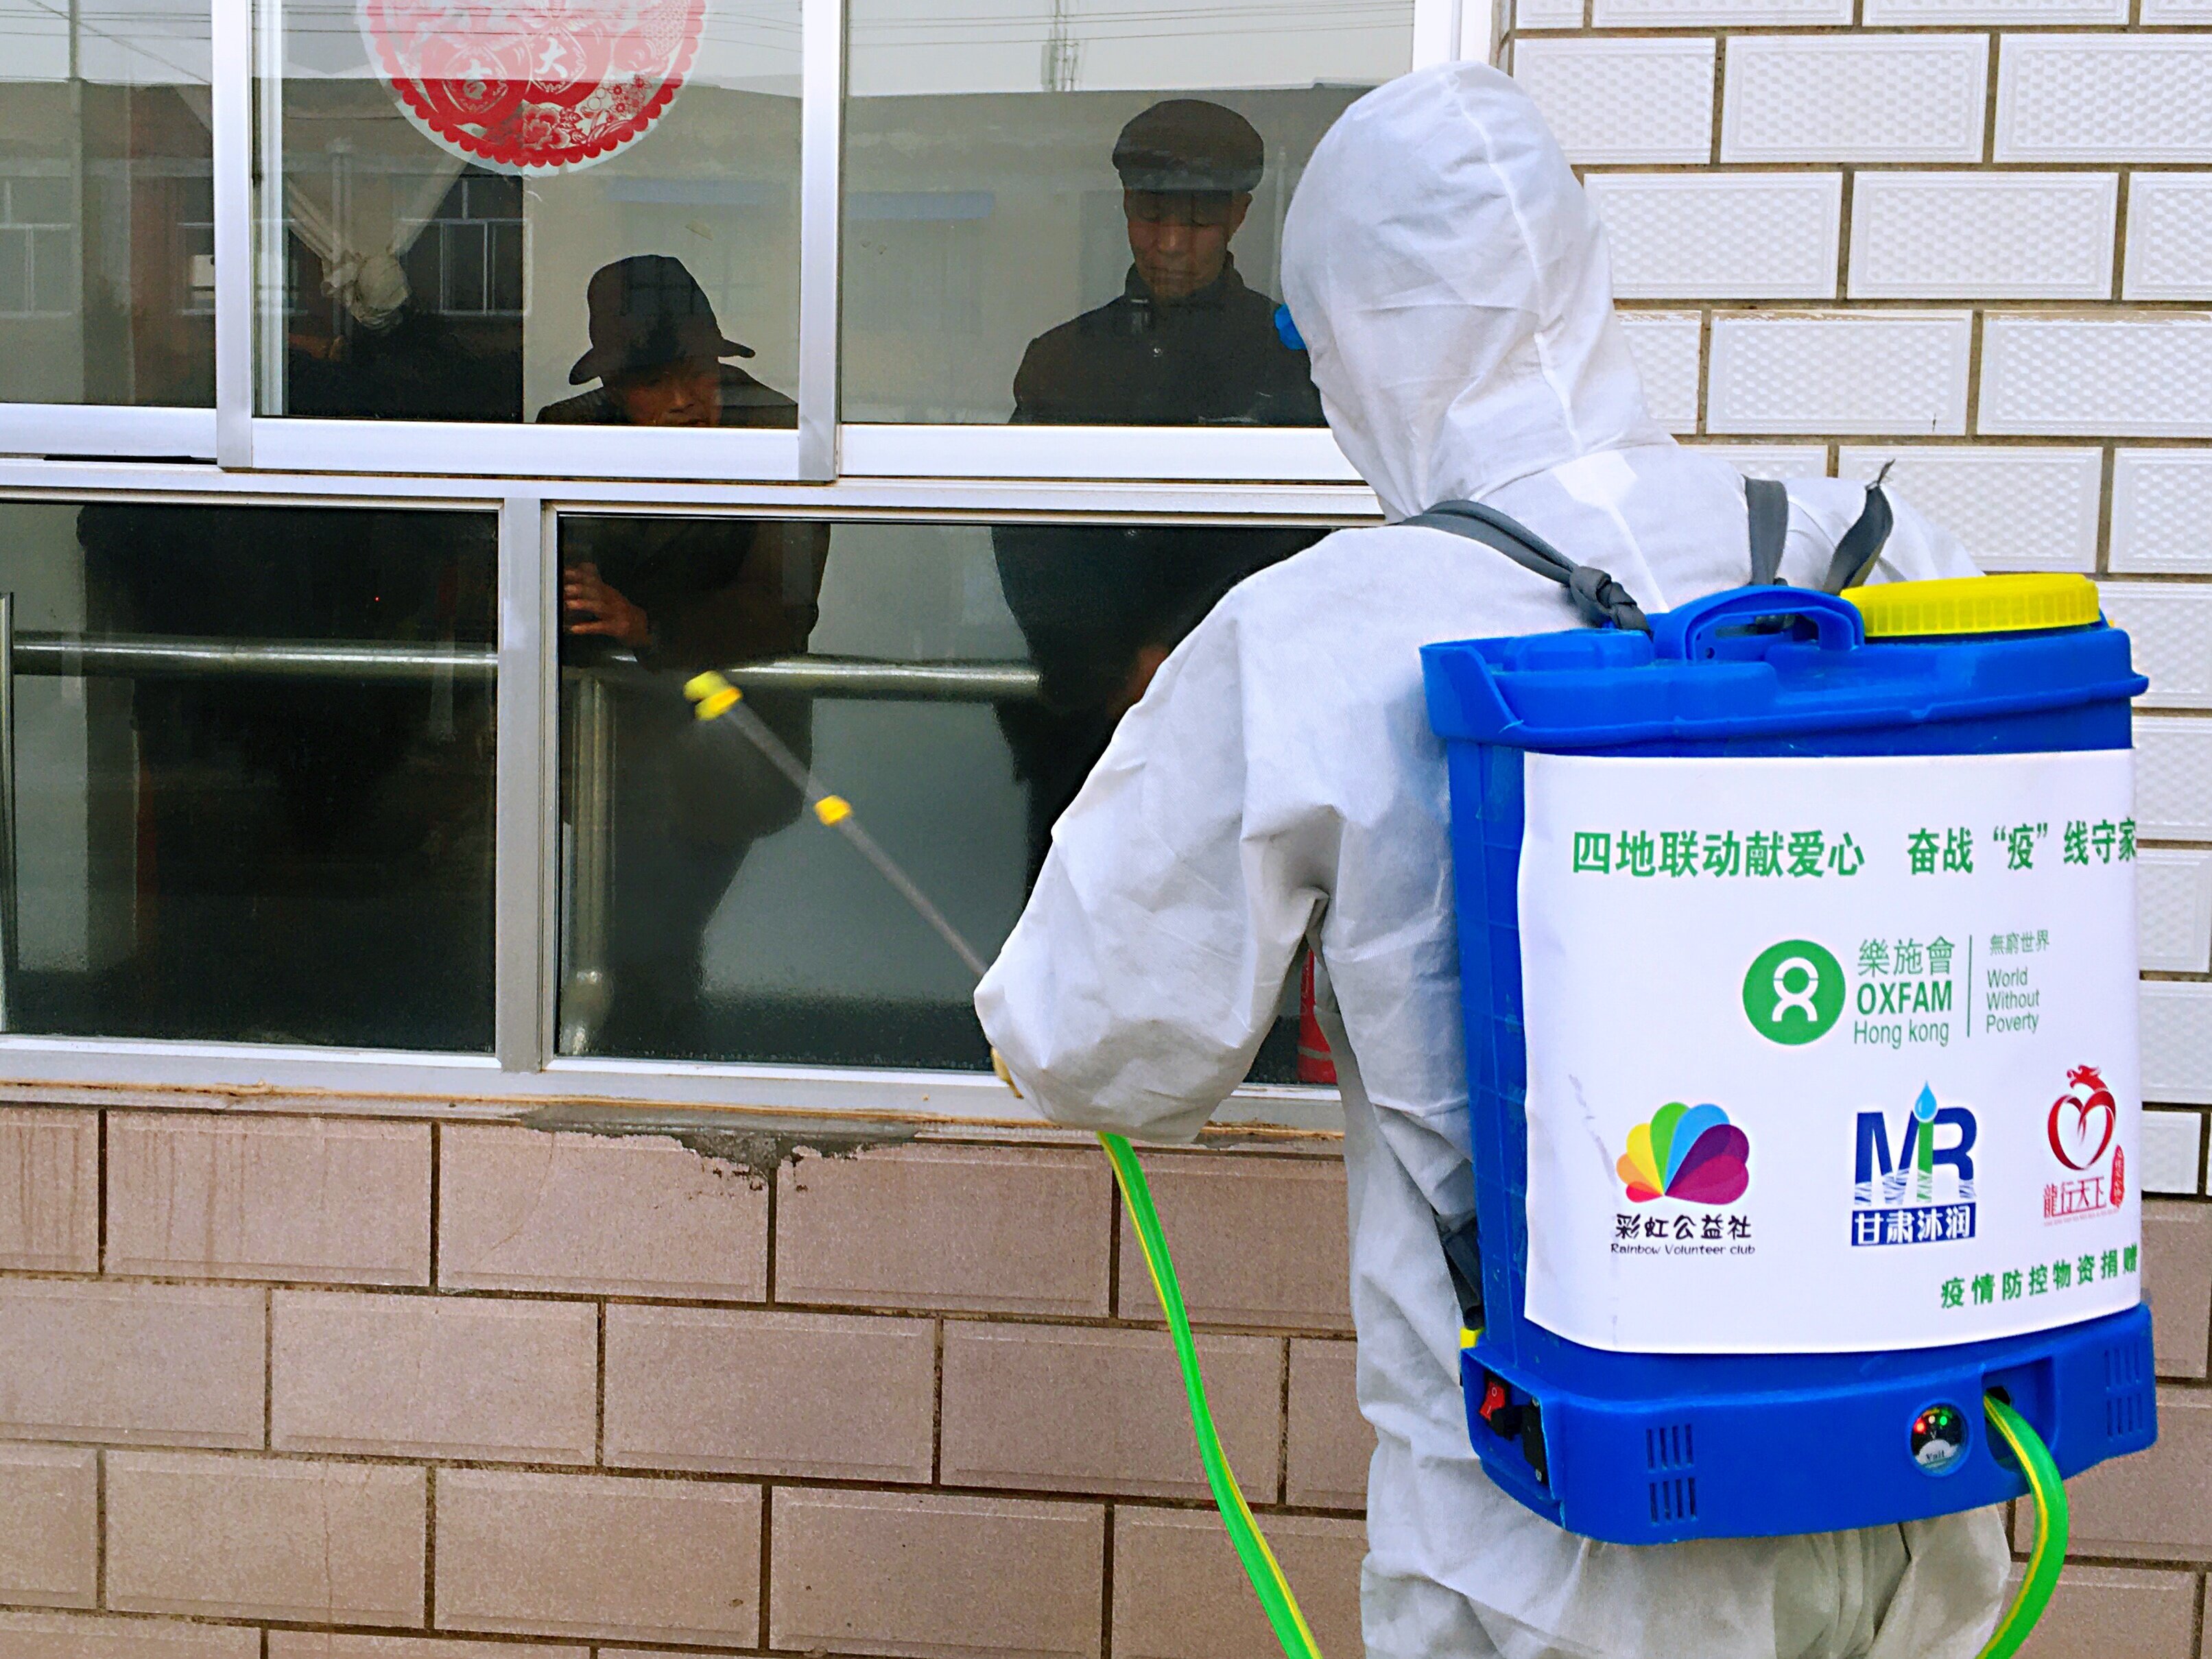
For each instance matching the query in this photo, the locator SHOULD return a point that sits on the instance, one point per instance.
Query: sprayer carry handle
(1692, 632)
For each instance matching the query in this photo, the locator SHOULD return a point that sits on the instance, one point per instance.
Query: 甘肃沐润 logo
(1919, 1189)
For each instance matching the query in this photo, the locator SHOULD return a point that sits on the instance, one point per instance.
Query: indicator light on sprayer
(1798, 957)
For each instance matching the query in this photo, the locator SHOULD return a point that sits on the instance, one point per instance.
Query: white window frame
(74, 454)
(523, 1066)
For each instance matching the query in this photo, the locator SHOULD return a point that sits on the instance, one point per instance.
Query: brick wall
(393, 1390)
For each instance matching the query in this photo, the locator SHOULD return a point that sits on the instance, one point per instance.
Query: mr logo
(1894, 1196)
(1793, 991)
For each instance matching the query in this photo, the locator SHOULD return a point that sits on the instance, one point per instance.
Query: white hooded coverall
(1279, 783)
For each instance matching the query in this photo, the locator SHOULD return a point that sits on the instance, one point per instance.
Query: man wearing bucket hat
(681, 595)
(657, 352)
(1185, 343)
(1279, 784)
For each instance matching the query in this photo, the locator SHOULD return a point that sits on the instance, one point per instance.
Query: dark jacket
(745, 402)
(716, 591)
(1212, 360)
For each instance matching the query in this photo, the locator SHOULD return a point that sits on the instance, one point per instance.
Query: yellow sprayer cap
(1976, 604)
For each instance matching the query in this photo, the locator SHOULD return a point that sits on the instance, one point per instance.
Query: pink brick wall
(408, 1390)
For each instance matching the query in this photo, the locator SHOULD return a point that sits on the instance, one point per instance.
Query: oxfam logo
(1794, 992)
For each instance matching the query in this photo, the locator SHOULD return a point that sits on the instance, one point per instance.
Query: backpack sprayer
(1675, 1352)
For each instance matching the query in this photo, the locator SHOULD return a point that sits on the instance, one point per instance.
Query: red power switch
(1494, 1401)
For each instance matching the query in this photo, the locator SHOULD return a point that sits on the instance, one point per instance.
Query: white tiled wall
(1971, 240)
(1630, 101)
(2177, 1060)
(1840, 372)
(2173, 900)
(2172, 1145)
(2011, 14)
(2169, 626)
(1726, 13)
(2145, 376)
(1772, 460)
(2169, 237)
(1742, 235)
(2173, 780)
(1982, 235)
(2016, 508)
(1665, 346)
(2105, 98)
(2162, 510)
(1855, 98)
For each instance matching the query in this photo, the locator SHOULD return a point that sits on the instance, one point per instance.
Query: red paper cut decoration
(534, 86)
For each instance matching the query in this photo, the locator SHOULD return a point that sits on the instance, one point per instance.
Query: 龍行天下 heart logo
(2083, 1119)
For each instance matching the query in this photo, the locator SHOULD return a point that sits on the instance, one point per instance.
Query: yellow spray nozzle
(714, 696)
(831, 809)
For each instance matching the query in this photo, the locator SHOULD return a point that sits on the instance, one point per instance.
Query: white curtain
(360, 183)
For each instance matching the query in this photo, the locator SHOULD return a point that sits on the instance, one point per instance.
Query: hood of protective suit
(1451, 281)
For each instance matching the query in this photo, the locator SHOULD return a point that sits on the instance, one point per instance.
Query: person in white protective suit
(1279, 785)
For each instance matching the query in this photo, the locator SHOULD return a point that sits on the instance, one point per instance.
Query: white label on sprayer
(1829, 1054)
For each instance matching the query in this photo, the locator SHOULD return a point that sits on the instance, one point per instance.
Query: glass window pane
(706, 915)
(105, 229)
(217, 836)
(503, 215)
(1060, 213)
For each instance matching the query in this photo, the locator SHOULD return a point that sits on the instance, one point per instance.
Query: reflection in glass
(106, 210)
(1064, 215)
(665, 809)
(476, 197)
(705, 915)
(221, 833)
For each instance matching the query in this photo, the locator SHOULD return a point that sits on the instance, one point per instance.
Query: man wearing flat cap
(1187, 343)
(681, 595)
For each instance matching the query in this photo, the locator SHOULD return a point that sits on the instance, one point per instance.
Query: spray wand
(713, 699)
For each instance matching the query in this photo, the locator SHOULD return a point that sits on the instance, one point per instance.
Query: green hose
(2051, 1526)
(1260, 1564)
(2020, 1620)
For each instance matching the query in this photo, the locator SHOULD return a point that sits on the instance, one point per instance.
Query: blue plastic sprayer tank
(1799, 973)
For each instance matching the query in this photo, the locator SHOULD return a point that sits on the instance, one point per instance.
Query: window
(335, 387)
(252, 761)
(952, 683)
(107, 267)
(1062, 214)
(489, 219)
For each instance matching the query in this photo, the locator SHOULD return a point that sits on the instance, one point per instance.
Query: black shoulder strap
(1599, 597)
(1857, 550)
(1861, 546)
(1768, 501)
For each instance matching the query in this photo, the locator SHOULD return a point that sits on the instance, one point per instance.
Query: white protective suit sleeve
(1154, 948)
(1280, 782)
